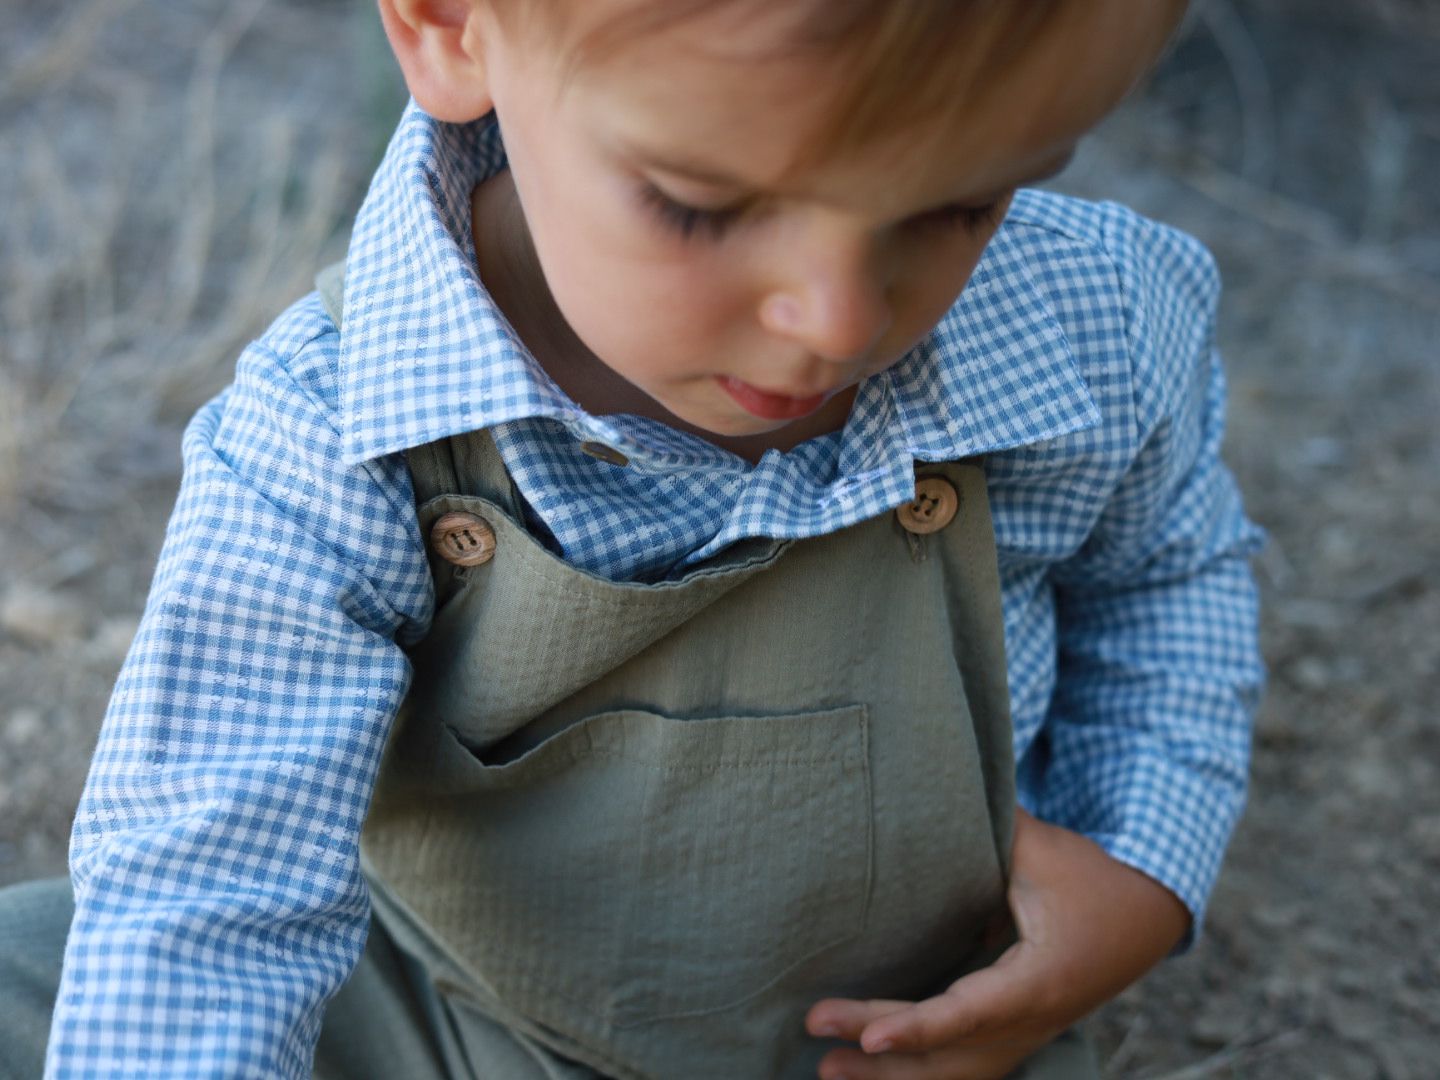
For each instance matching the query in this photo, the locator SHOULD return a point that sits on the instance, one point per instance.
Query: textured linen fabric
(215, 852)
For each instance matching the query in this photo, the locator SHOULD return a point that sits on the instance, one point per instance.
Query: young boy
(709, 481)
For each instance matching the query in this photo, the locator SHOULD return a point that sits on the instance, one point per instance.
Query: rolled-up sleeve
(214, 855)
(1158, 670)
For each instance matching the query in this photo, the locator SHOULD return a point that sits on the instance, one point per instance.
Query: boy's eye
(972, 219)
(688, 220)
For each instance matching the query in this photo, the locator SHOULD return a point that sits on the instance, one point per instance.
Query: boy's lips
(769, 406)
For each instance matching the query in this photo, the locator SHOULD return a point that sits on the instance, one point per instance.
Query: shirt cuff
(1173, 825)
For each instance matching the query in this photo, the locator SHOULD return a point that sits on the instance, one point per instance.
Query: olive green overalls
(638, 830)
(641, 828)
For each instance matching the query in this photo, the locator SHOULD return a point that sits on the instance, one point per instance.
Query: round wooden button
(933, 507)
(463, 539)
(604, 453)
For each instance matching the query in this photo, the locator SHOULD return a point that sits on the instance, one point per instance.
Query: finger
(955, 1063)
(1007, 994)
(844, 1018)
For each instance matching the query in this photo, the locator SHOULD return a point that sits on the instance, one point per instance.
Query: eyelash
(972, 218)
(690, 221)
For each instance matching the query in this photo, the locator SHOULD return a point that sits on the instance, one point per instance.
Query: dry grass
(142, 245)
(172, 178)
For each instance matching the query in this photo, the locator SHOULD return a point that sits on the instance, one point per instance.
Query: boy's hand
(1088, 926)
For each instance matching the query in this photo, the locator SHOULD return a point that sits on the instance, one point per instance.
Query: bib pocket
(643, 867)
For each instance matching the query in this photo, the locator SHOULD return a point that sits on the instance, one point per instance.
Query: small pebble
(21, 727)
(39, 617)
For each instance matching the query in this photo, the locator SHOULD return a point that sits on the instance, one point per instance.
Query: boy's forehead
(715, 94)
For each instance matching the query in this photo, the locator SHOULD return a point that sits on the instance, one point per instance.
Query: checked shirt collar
(425, 353)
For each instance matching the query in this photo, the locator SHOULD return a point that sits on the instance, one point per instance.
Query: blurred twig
(66, 51)
(1252, 85)
(1386, 155)
(1328, 252)
(192, 245)
(1242, 1052)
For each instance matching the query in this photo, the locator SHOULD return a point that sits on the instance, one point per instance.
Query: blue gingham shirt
(215, 852)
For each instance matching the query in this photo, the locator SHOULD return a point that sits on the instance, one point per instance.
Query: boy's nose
(838, 311)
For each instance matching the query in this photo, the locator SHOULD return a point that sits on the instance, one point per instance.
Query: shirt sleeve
(1147, 735)
(214, 855)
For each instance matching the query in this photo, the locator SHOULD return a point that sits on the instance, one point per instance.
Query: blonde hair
(906, 61)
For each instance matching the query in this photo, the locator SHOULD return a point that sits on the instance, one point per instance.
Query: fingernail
(828, 1031)
(879, 1047)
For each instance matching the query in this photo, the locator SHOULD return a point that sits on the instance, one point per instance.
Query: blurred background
(172, 174)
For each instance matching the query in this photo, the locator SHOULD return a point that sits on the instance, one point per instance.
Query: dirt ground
(170, 176)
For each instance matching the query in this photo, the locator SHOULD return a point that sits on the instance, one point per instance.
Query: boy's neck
(512, 276)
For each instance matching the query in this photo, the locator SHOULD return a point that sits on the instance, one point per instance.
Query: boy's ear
(440, 47)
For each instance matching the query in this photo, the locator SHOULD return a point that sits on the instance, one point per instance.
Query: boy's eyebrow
(708, 174)
(691, 170)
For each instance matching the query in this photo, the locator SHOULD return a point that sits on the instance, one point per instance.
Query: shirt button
(932, 508)
(602, 452)
(463, 539)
